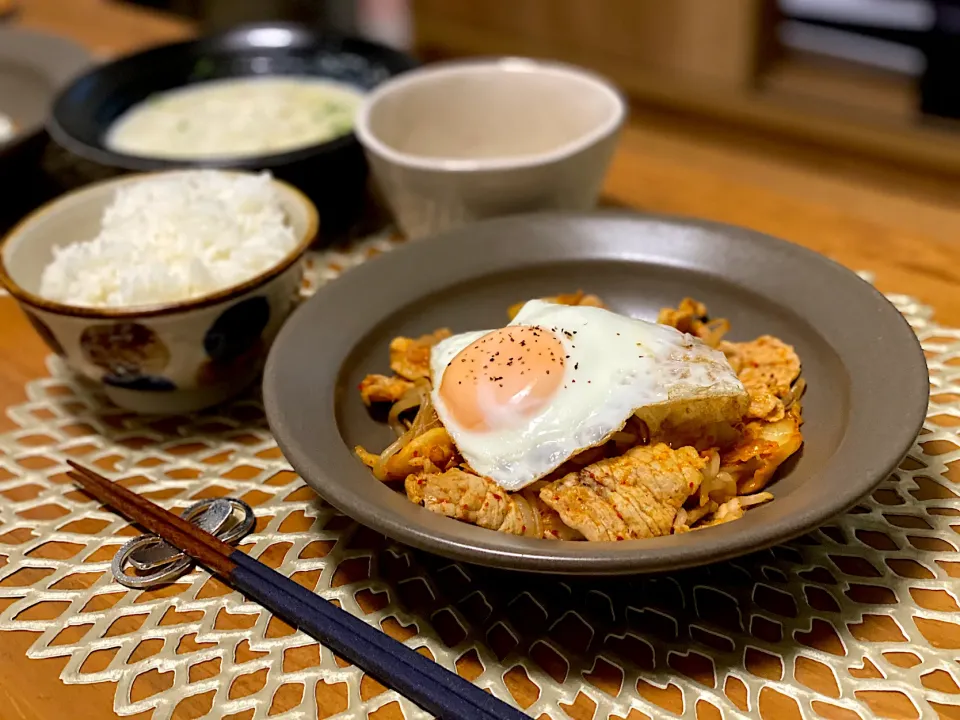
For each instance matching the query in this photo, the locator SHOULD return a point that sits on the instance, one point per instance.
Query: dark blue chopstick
(435, 689)
(429, 685)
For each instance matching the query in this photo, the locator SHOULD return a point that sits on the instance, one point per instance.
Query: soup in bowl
(238, 117)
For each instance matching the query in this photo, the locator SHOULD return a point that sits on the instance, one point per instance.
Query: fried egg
(520, 400)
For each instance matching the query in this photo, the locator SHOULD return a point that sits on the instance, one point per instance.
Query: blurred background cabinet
(846, 74)
(718, 40)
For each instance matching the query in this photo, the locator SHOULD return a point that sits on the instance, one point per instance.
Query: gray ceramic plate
(33, 68)
(867, 377)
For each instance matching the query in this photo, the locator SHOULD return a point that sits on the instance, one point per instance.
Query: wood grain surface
(714, 59)
(7, 8)
(105, 27)
(903, 227)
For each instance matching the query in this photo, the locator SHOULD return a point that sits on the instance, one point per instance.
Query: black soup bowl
(332, 173)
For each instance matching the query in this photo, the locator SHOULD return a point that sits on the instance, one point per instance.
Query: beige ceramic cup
(461, 141)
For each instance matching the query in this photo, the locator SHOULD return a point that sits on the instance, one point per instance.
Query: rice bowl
(159, 357)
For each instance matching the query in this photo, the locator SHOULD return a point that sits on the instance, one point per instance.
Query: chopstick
(432, 687)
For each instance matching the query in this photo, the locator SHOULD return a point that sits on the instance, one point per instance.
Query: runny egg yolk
(504, 377)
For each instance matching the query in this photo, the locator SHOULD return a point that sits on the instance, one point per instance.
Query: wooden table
(902, 227)
(106, 28)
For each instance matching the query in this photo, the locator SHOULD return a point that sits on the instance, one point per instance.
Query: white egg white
(616, 367)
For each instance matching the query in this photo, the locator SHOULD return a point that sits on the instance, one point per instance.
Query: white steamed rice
(172, 238)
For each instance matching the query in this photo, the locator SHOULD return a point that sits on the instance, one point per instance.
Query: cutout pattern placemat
(859, 619)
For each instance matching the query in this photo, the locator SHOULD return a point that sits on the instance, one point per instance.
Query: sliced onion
(713, 467)
(426, 419)
(715, 330)
(380, 466)
(709, 474)
(697, 514)
(756, 499)
(624, 438)
(680, 523)
(796, 392)
(411, 399)
(725, 484)
(531, 517)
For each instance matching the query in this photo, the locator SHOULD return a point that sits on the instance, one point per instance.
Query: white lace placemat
(860, 619)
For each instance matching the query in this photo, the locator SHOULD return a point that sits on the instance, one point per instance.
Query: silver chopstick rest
(155, 561)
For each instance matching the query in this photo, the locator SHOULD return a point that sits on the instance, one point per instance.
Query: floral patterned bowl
(169, 358)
